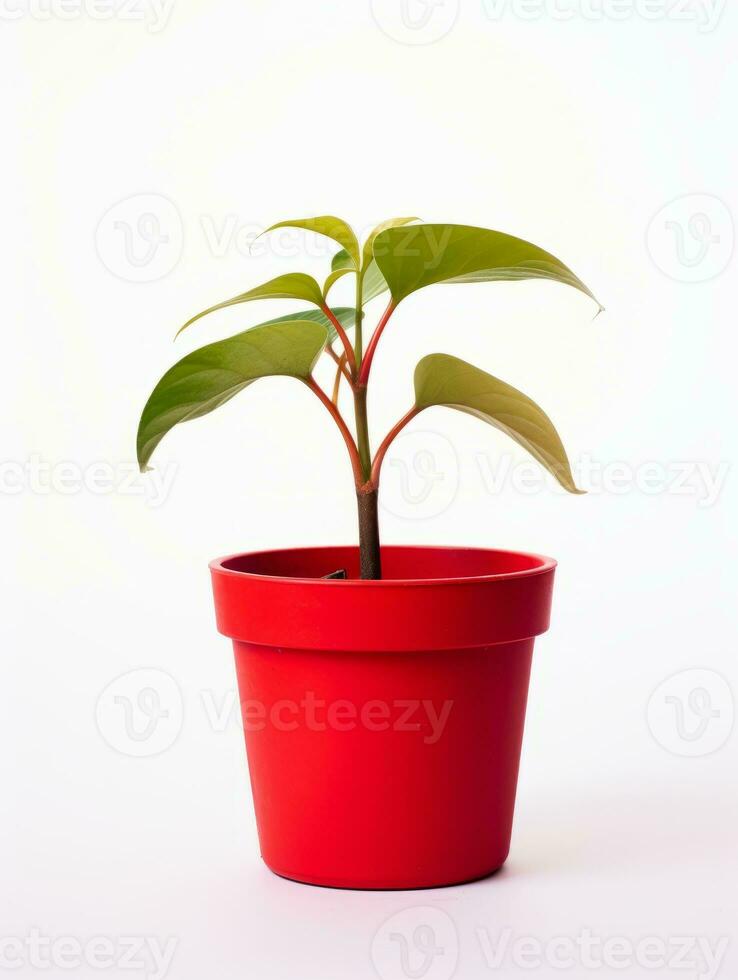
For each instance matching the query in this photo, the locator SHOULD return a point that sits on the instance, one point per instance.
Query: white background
(608, 137)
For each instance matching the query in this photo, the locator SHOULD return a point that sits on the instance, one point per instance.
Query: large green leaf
(293, 285)
(330, 227)
(444, 380)
(410, 258)
(212, 375)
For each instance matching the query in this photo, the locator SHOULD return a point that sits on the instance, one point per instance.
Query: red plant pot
(383, 719)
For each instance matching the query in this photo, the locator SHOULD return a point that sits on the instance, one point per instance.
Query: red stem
(343, 336)
(366, 364)
(340, 363)
(343, 428)
(393, 432)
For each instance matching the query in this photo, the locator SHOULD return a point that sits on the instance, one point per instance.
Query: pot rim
(543, 564)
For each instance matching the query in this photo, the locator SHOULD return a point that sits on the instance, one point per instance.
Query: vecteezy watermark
(589, 951)
(415, 22)
(153, 13)
(691, 238)
(146, 954)
(140, 713)
(417, 716)
(140, 239)
(422, 473)
(419, 942)
(422, 942)
(420, 476)
(702, 481)
(704, 13)
(233, 233)
(691, 713)
(43, 477)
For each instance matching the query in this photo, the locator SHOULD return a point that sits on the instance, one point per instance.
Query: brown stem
(370, 560)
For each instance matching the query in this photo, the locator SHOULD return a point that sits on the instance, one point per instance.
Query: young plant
(398, 257)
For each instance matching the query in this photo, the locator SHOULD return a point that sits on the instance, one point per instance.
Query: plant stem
(372, 345)
(358, 343)
(340, 368)
(343, 337)
(340, 363)
(356, 466)
(367, 495)
(362, 431)
(393, 432)
(370, 561)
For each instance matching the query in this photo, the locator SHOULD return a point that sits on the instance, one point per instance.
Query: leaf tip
(567, 482)
(256, 238)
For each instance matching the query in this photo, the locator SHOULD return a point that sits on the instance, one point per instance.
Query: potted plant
(383, 689)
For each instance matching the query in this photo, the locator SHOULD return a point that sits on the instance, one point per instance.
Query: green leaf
(333, 278)
(342, 260)
(346, 316)
(330, 227)
(444, 380)
(294, 285)
(368, 249)
(410, 258)
(374, 282)
(212, 375)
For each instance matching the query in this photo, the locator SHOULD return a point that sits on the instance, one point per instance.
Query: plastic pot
(383, 719)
